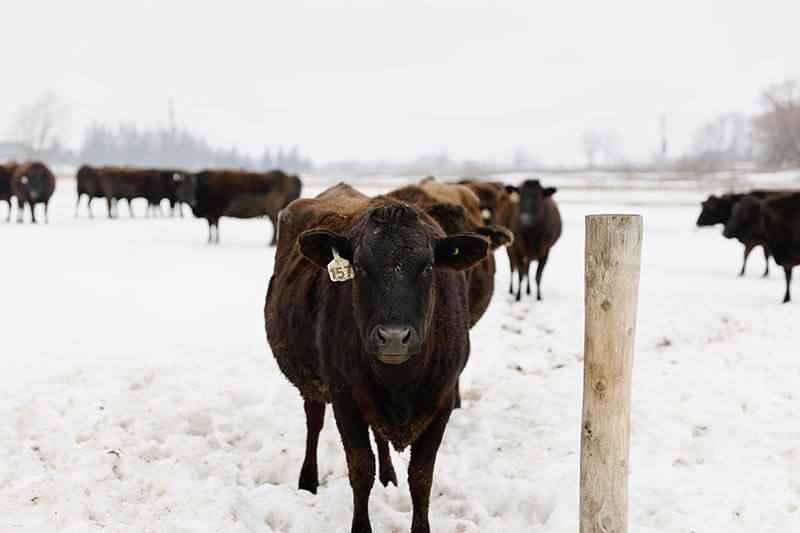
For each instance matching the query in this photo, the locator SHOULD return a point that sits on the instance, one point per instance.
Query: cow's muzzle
(394, 344)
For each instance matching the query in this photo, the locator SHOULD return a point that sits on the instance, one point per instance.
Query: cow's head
(747, 219)
(34, 183)
(531, 201)
(186, 189)
(715, 210)
(396, 254)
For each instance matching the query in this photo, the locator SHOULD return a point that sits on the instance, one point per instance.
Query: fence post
(613, 253)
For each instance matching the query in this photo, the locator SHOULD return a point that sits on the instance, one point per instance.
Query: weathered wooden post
(613, 253)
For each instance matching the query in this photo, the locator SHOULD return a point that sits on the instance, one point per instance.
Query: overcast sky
(369, 80)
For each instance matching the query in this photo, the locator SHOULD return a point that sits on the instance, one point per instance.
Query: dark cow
(717, 210)
(123, 183)
(384, 348)
(89, 185)
(32, 183)
(536, 224)
(239, 194)
(775, 221)
(6, 171)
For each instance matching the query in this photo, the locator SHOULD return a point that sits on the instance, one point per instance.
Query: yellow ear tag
(339, 269)
(455, 251)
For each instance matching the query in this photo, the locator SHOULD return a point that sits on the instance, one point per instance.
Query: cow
(495, 201)
(89, 185)
(32, 183)
(6, 171)
(384, 343)
(123, 183)
(717, 210)
(536, 224)
(773, 220)
(239, 194)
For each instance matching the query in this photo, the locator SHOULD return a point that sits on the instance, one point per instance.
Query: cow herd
(211, 194)
(770, 219)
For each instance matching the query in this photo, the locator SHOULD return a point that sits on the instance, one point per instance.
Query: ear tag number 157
(339, 269)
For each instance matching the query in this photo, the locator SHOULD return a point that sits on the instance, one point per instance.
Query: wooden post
(613, 253)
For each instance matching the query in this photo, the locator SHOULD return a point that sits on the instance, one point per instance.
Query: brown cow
(717, 210)
(495, 202)
(32, 183)
(6, 171)
(536, 224)
(240, 194)
(775, 221)
(384, 348)
(89, 185)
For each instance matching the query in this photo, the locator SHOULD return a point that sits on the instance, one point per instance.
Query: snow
(138, 393)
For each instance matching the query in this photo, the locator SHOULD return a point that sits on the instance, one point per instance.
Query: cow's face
(186, 191)
(531, 201)
(746, 219)
(715, 211)
(488, 203)
(34, 183)
(396, 256)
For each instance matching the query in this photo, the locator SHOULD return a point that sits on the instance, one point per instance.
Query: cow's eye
(358, 268)
(428, 268)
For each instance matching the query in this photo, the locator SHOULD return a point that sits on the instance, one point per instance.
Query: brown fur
(315, 329)
(242, 194)
(41, 183)
(773, 220)
(6, 171)
(533, 238)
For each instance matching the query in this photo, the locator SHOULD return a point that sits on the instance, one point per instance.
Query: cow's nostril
(407, 337)
(381, 338)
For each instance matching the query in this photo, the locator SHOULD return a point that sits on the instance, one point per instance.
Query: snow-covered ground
(138, 393)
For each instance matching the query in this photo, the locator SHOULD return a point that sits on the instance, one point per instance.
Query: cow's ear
(549, 191)
(317, 246)
(498, 236)
(460, 251)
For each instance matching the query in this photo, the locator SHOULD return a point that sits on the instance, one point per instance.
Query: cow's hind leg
(766, 261)
(8, 218)
(33, 211)
(46, 217)
(788, 271)
(539, 269)
(747, 249)
(420, 470)
(315, 417)
(385, 469)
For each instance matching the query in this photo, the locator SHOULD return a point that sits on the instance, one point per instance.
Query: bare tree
(592, 143)
(37, 123)
(724, 140)
(777, 129)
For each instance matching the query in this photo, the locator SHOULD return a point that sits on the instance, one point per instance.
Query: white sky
(368, 80)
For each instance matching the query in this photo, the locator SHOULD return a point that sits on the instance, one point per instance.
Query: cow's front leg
(420, 470)
(360, 459)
